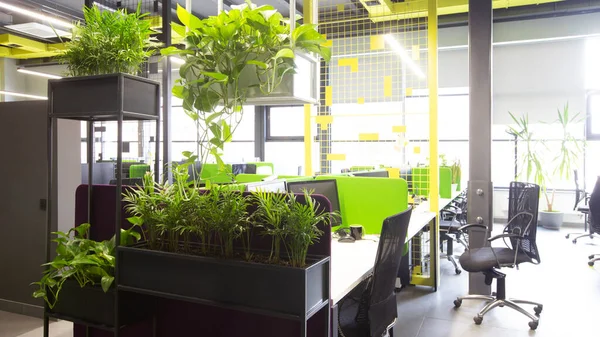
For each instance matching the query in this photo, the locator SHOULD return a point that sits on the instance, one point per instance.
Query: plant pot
(455, 187)
(91, 304)
(551, 220)
(249, 286)
(104, 97)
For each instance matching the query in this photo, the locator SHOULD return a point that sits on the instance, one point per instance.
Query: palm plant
(229, 218)
(271, 214)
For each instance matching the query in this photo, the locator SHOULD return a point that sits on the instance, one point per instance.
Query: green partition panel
(211, 172)
(368, 201)
(138, 171)
(420, 181)
(249, 178)
(361, 168)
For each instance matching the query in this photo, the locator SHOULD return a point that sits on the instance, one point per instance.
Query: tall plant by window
(108, 43)
(219, 50)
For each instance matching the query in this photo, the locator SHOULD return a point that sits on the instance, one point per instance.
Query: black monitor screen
(375, 174)
(327, 188)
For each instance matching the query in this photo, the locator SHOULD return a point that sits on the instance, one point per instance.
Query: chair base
(452, 259)
(582, 235)
(499, 300)
(593, 259)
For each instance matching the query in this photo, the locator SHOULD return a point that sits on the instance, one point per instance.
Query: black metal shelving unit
(114, 97)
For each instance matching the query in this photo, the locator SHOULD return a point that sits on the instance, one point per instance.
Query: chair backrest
(523, 205)
(594, 206)
(382, 300)
(578, 192)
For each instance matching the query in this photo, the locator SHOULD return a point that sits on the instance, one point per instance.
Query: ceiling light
(36, 15)
(37, 73)
(406, 59)
(38, 29)
(16, 94)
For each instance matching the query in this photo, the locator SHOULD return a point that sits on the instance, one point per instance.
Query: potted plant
(263, 238)
(102, 58)
(541, 171)
(78, 283)
(456, 175)
(230, 58)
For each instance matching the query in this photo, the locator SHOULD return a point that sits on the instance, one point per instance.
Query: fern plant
(108, 43)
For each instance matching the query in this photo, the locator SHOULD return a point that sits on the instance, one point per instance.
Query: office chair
(451, 219)
(521, 247)
(581, 195)
(371, 309)
(594, 215)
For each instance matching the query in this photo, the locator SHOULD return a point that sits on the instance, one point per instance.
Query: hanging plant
(219, 51)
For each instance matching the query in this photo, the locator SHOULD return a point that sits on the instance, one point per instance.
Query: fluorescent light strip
(37, 73)
(99, 5)
(16, 94)
(35, 15)
(404, 55)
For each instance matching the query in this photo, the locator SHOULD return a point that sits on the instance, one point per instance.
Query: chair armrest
(462, 228)
(505, 235)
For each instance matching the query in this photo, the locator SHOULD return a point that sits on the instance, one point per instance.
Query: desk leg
(435, 252)
(334, 320)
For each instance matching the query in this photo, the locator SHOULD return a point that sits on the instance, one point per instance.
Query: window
(285, 123)
(592, 127)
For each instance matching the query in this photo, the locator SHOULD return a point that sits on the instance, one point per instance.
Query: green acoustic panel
(361, 168)
(211, 172)
(368, 201)
(249, 178)
(138, 171)
(420, 181)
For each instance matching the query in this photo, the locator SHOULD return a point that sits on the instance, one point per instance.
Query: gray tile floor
(563, 282)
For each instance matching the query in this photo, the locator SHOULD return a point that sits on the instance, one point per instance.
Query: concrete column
(480, 130)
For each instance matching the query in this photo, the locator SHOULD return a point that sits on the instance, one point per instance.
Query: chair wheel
(591, 257)
(574, 241)
(567, 236)
(533, 325)
(457, 303)
(478, 320)
(538, 310)
(457, 271)
(591, 263)
(493, 293)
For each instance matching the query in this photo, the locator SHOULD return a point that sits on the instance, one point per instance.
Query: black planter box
(104, 97)
(91, 304)
(263, 288)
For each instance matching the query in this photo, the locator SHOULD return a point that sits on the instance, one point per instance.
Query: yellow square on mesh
(327, 43)
(340, 7)
(387, 86)
(324, 121)
(398, 128)
(368, 136)
(409, 91)
(328, 95)
(417, 150)
(377, 42)
(360, 100)
(349, 62)
(336, 156)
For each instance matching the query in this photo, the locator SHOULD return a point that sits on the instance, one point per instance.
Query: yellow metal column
(310, 16)
(434, 172)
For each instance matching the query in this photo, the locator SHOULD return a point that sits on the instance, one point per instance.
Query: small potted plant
(102, 58)
(541, 171)
(78, 283)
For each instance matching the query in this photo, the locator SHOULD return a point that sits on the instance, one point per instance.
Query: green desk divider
(138, 171)
(420, 181)
(368, 201)
(361, 168)
(211, 172)
(243, 178)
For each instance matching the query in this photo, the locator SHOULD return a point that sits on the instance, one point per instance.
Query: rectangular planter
(91, 304)
(271, 289)
(103, 97)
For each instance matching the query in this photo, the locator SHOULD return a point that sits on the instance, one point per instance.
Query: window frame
(271, 138)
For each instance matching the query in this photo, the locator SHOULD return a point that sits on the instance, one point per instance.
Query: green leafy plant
(219, 51)
(81, 259)
(531, 161)
(271, 214)
(456, 172)
(109, 42)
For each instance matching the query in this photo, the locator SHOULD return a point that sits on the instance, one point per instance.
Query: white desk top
(351, 263)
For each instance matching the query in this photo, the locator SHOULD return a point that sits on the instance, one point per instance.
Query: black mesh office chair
(451, 219)
(581, 195)
(520, 248)
(594, 216)
(371, 309)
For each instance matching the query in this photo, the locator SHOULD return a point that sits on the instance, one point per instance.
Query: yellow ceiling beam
(417, 8)
(13, 41)
(4, 51)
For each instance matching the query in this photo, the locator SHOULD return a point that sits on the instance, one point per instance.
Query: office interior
(393, 105)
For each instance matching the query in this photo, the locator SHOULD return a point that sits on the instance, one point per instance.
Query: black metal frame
(91, 116)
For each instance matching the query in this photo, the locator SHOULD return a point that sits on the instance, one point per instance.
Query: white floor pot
(551, 220)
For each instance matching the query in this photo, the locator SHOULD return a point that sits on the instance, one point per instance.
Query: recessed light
(16, 94)
(36, 15)
(37, 73)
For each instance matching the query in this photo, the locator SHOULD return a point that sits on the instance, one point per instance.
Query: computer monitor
(374, 174)
(327, 188)
(267, 186)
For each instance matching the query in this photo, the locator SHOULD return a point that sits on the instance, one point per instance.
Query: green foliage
(109, 42)
(531, 161)
(84, 260)
(456, 172)
(219, 50)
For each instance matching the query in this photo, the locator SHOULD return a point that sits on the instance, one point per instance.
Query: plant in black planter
(222, 53)
(271, 215)
(80, 259)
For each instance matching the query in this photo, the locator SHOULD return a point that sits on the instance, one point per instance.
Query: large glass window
(285, 123)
